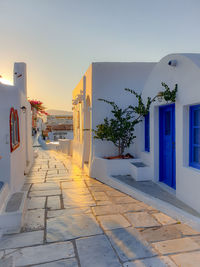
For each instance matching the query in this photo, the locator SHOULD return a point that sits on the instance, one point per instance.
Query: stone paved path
(73, 220)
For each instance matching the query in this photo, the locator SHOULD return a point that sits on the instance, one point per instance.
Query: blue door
(167, 147)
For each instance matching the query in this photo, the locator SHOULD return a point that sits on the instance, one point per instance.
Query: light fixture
(172, 63)
(160, 96)
(23, 108)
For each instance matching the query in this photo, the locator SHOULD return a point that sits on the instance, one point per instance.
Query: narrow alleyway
(73, 220)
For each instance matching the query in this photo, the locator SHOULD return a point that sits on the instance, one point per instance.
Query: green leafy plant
(120, 128)
(169, 95)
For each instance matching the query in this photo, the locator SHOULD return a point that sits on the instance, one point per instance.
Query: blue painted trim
(167, 147)
(147, 133)
(192, 163)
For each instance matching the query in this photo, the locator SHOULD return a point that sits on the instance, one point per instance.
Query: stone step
(140, 171)
(12, 216)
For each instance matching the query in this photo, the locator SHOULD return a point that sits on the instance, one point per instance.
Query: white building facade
(15, 133)
(172, 154)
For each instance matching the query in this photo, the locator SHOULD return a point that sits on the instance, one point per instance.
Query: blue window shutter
(194, 143)
(146, 133)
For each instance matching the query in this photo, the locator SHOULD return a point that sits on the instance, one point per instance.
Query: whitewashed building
(172, 155)
(15, 144)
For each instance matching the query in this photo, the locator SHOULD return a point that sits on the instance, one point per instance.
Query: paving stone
(141, 219)
(45, 186)
(105, 210)
(73, 184)
(160, 234)
(96, 251)
(162, 261)
(127, 199)
(114, 221)
(78, 191)
(131, 207)
(100, 188)
(103, 203)
(68, 212)
(100, 196)
(70, 227)
(115, 193)
(1, 254)
(42, 254)
(79, 202)
(93, 182)
(53, 202)
(129, 245)
(34, 220)
(186, 230)
(164, 219)
(44, 193)
(61, 263)
(21, 240)
(36, 203)
(176, 245)
(7, 262)
(187, 259)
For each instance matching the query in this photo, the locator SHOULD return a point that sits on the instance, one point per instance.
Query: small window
(194, 158)
(14, 130)
(146, 133)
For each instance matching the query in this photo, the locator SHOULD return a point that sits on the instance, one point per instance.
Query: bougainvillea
(38, 106)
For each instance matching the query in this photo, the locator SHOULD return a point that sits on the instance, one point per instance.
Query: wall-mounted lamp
(23, 108)
(160, 96)
(172, 63)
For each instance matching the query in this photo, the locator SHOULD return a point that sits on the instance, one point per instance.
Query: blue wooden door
(167, 147)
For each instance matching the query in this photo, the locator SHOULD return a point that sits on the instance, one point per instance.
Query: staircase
(12, 210)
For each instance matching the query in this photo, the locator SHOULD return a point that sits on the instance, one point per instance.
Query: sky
(59, 39)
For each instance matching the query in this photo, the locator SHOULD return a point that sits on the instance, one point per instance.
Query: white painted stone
(34, 220)
(96, 251)
(141, 219)
(36, 203)
(42, 254)
(21, 240)
(113, 221)
(70, 227)
(162, 261)
(53, 202)
(176, 245)
(129, 244)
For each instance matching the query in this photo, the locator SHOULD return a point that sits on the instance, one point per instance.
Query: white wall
(186, 74)
(109, 81)
(14, 165)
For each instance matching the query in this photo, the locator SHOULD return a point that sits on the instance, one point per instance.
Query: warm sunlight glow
(4, 81)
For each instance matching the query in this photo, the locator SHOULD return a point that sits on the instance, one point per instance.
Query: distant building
(59, 126)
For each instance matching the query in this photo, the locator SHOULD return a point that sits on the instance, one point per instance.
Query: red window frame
(14, 130)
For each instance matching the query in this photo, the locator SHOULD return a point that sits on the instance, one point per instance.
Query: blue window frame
(194, 156)
(146, 133)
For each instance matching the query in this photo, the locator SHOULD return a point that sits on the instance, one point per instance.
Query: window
(14, 130)
(146, 133)
(194, 157)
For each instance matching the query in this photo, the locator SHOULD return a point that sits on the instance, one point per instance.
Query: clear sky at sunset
(58, 39)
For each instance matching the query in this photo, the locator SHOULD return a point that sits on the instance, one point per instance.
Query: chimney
(20, 76)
